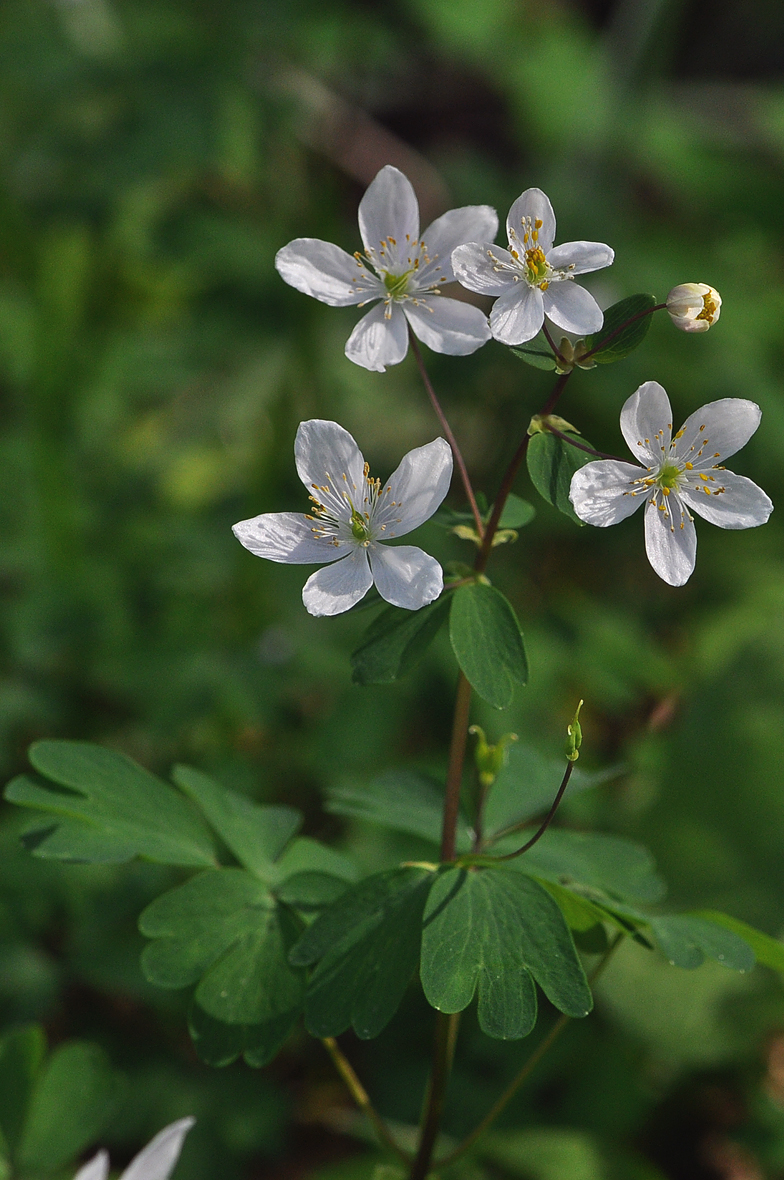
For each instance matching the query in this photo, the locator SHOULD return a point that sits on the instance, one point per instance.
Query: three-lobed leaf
(621, 343)
(494, 931)
(551, 464)
(487, 642)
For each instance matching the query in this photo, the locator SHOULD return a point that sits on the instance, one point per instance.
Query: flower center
(536, 265)
(360, 529)
(669, 477)
(709, 308)
(397, 284)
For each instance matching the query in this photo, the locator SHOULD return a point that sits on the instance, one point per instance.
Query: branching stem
(361, 1097)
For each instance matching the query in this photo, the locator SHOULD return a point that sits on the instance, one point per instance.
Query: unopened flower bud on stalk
(574, 737)
(694, 307)
(490, 760)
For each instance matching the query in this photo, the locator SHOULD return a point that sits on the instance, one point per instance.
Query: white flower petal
(581, 257)
(326, 272)
(156, 1161)
(518, 315)
(416, 488)
(475, 266)
(324, 450)
(447, 325)
(389, 208)
(742, 505)
(288, 537)
(717, 431)
(336, 588)
(405, 576)
(572, 308)
(96, 1169)
(601, 492)
(471, 223)
(644, 415)
(670, 542)
(534, 204)
(379, 339)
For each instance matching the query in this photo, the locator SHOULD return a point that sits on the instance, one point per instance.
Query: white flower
(533, 279)
(398, 267)
(694, 307)
(154, 1162)
(352, 514)
(682, 472)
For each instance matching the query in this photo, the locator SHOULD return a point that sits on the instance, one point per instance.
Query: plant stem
(443, 1052)
(640, 316)
(548, 819)
(568, 438)
(556, 351)
(360, 1096)
(527, 1069)
(447, 429)
(510, 475)
(454, 777)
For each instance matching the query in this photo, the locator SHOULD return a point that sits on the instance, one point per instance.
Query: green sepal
(366, 947)
(488, 643)
(395, 642)
(551, 465)
(627, 340)
(495, 931)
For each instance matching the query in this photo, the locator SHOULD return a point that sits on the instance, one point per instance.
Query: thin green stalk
(454, 777)
(362, 1099)
(548, 819)
(527, 1069)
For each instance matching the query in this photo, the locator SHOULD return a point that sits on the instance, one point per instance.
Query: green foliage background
(153, 369)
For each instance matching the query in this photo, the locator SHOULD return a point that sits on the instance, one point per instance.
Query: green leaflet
(367, 947)
(487, 642)
(536, 352)
(218, 1043)
(767, 950)
(627, 340)
(516, 513)
(403, 800)
(73, 1096)
(495, 931)
(21, 1056)
(395, 642)
(551, 465)
(610, 864)
(112, 811)
(686, 940)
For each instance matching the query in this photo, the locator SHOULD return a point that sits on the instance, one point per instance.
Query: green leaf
(527, 785)
(768, 951)
(614, 866)
(112, 810)
(536, 352)
(224, 931)
(304, 855)
(310, 891)
(21, 1055)
(74, 1097)
(367, 949)
(496, 931)
(516, 513)
(255, 834)
(686, 940)
(551, 465)
(218, 1043)
(395, 642)
(403, 800)
(487, 642)
(627, 340)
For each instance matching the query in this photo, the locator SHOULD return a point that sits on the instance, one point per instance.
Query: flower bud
(490, 760)
(574, 736)
(694, 307)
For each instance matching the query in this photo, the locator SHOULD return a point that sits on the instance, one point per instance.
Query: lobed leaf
(487, 642)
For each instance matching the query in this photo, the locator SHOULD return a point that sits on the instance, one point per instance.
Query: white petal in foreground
(447, 325)
(477, 265)
(471, 223)
(646, 422)
(389, 209)
(718, 430)
(518, 315)
(601, 492)
(581, 257)
(156, 1161)
(336, 588)
(322, 449)
(572, 308)
(324, 271)
(405, 576)
(670, 543)
(416, 488)
(535, 206)
(742, 505)
(96, 1169)
(379, 339)
(286, 537)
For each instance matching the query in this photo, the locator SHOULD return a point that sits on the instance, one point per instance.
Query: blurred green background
(153, 369)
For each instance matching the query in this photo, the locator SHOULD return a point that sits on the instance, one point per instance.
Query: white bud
(694, 307)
